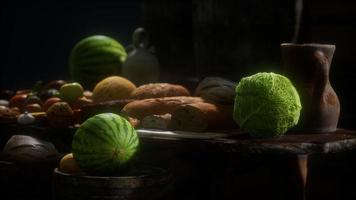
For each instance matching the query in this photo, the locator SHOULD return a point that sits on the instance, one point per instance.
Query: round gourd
(95, 58)
(113, 88)
(266, 104)
(69, 165)
(104, 144)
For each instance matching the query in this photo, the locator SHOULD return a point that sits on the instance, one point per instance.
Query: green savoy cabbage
(266, 104)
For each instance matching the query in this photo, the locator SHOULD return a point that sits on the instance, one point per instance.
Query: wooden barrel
(149, 183)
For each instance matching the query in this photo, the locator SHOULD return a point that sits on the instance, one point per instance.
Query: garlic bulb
(26, 119)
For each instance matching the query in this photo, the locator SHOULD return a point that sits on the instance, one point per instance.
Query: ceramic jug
(308, 67)
(141, 65)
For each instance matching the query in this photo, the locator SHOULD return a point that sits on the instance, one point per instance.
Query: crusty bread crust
(203, 116)
(162, 122)
(157, 106)
(157, 90)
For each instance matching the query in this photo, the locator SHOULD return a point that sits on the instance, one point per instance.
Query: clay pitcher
(308, 66)
(141, 66)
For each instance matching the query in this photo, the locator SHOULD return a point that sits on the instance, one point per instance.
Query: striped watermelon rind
(104, 144)
(95, 58)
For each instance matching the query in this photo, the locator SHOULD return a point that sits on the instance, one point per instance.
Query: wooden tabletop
(234, 141)
(239, 142)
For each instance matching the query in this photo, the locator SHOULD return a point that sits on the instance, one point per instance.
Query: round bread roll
(27, 149)
(216, 90)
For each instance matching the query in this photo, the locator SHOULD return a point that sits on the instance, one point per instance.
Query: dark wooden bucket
(148, 183)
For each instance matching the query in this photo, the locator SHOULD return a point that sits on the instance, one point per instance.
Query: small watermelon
(104, 144)
(95, 58)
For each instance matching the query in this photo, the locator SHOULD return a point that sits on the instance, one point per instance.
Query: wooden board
(239, 142)
(160, 134)
(305, 143)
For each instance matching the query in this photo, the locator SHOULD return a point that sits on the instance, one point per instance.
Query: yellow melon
(113, 88)
(69, 165)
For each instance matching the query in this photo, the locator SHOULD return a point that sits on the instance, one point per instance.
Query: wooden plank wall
(229, 38)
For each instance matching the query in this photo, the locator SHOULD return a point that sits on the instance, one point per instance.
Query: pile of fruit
(55, 104)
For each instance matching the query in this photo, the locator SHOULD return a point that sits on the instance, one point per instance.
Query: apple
(70, 92)
(49, 102)
(31, 108)
(18, 101)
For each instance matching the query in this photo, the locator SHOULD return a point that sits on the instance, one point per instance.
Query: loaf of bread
(156, 90)
(161, 122)
(216, 90)
(157, 106)
(202, 116)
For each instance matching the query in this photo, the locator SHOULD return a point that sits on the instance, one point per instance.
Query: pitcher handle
(140, 38)
(322, 64)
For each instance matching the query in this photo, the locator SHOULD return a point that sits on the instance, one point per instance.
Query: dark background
(193, 39)
(38, 36)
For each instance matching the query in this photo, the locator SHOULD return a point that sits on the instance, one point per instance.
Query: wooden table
(294, 166)
(232, 165)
